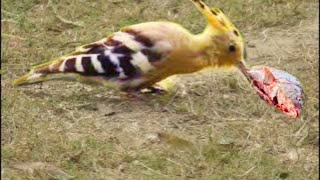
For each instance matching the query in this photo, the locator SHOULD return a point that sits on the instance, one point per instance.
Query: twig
(229, 120)
(150, 169)
(54, 9)
(9, 20)
(12, 36)
(67, 21)
(191, 106)
(250, 132)
(243, 115)
(275, 42)
(278, 57)
(9, 13)
(265, 35)
(247, 172)
(302, 127)
(178, 163)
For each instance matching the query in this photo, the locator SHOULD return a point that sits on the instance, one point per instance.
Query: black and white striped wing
(124, 55)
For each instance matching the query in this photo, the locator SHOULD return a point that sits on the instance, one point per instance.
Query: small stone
(225, 96)
(293, 155)
(153, 138)
(225, 141)
(122, 168)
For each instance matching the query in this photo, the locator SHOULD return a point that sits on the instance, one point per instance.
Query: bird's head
(225, 42)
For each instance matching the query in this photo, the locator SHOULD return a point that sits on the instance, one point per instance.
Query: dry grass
(219, 129)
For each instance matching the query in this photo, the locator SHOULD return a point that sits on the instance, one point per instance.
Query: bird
(142, 55)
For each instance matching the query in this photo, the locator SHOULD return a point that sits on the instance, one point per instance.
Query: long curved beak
(244, 70)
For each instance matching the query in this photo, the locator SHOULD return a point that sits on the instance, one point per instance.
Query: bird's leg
(162, 87)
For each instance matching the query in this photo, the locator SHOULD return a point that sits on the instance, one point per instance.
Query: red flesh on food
(270, 89)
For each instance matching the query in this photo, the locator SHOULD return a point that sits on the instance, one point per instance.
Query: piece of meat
(278, 88)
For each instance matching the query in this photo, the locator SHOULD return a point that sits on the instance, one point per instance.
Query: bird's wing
(124, 54)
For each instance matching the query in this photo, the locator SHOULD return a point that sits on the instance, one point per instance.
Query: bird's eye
(232, 48)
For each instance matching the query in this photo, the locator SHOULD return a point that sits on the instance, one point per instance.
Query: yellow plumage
(141, 55)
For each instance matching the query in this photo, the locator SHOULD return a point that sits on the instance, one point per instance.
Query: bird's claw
(154, 90)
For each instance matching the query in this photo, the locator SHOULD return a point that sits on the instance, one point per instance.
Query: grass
(217, 129)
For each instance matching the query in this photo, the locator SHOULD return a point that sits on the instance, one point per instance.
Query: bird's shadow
(89, 100)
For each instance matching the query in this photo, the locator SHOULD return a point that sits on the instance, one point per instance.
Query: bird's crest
(216, 18)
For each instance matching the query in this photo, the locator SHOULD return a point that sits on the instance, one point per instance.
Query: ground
(212, 127)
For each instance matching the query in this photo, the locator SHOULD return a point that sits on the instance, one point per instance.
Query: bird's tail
(43, 72)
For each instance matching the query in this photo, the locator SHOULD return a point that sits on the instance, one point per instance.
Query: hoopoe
(139, 56)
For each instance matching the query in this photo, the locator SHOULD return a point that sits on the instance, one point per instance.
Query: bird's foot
(154, 90)
(139, 95)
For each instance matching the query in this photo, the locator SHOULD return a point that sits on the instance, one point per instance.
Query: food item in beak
(278, 88)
